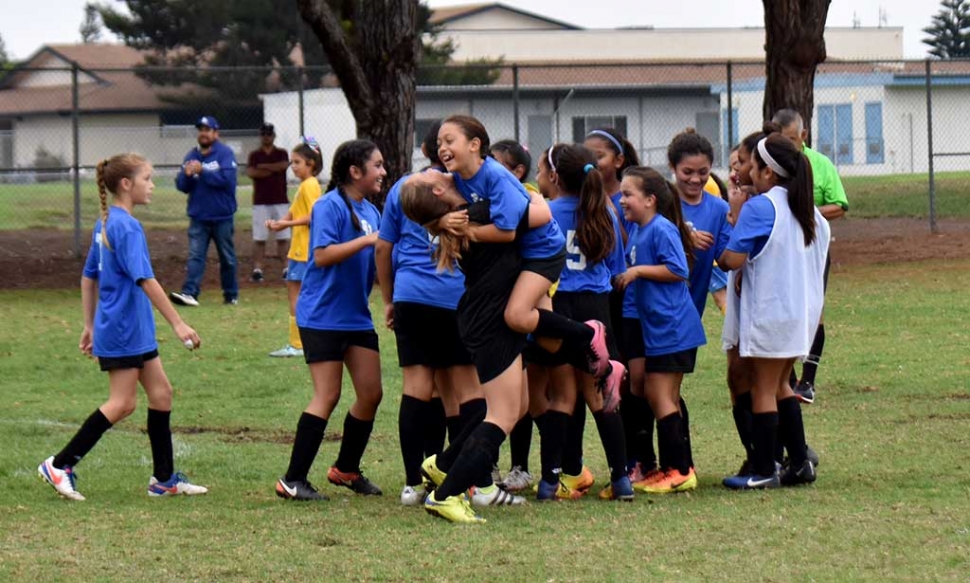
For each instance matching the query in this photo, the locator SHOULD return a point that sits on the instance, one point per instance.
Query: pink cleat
(610, 385)
(599, 356)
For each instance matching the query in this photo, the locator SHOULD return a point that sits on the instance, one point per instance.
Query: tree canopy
(949, 33)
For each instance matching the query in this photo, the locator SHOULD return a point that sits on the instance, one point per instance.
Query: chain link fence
(896, 130)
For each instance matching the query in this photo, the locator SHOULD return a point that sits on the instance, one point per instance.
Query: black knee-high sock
(572, 453)
(670, 437)
(160, 437)
(478, 455)
(742, 421)
(410, 421)
(610, 427)
(688, 450)
(553, 325)
(435, 428)
(810, 367)
(553, 426)
(86, 437)
(792, 430)
(454, 427)
(471, 414)
(309, 435)
(352, 446)
(764, 435)
(520, 442)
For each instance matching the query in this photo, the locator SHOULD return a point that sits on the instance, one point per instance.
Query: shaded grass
(892, 425)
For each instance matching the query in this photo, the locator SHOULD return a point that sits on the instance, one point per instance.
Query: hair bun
(690, 130)
(770, 127)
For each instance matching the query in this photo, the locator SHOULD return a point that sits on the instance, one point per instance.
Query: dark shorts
(330, 345)
(578, 306)
(631, 339)
(122, 362)
(428, 336)
(682, 361)
(548, 267)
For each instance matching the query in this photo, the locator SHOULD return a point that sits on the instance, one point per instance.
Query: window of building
(584, 124)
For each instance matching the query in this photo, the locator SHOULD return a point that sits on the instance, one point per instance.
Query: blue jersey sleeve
(723, 236)
(131, 252)
(669, 249)
(91, 263)
(509, 203)
(327, 221)
(392, 218)
(754, 226)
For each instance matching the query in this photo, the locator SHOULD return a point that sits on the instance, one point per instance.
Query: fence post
(76, 163)
(929, 145)
(515, 99)
(299, 72)
(730, 111)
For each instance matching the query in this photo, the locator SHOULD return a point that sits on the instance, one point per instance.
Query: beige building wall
(659, 44)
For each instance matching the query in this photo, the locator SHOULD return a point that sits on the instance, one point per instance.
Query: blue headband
(311, 143)
(608, 136)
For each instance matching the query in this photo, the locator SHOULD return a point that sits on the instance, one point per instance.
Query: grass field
(51, 205)
(892, 502)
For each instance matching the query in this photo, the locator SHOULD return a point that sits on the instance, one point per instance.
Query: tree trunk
(376, 63)
(794, 46)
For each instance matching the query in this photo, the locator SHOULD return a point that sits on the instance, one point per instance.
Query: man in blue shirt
(208, 177)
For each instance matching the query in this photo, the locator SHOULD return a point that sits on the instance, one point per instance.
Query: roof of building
(451, 15)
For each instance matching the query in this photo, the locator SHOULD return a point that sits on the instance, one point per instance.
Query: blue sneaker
(621, 489)
(177, 485)
(753, 482)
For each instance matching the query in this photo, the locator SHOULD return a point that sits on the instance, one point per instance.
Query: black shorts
(330, 345)
(428, 336)
(631, 339)
(548, 267)
(122, 362)
(682, 361)
(578, 306)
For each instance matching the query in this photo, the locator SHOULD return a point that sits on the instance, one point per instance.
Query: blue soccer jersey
(709, 215)
(580, 275)
(669, 320)
(123, 322)
(755, 223)
(335, 297)
(416, 277)
(509, 203)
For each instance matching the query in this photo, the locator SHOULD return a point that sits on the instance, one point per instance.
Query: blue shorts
(295, 270)
(718, 279)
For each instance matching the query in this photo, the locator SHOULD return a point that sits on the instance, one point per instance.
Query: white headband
(763, 150)
(602, 134)
(551, 165)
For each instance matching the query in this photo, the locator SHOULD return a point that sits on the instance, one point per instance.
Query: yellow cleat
(453, 509)
(429, 469)
(581, 483)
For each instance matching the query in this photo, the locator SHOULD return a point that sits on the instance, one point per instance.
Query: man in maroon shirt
(267, 167)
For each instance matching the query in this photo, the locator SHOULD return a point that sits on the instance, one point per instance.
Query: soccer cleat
(516, 480)
(496, 475)
(753, 482)
(552, 491)
(183, 299)
(430, 471)
(353, 480)
(230, 301)
(177, 485)
(453, 509)
(744, 470)
(257, 275)
(805, 392)
(597, 353)
(672, 481)
(812, 456)
(610, 386)
(413, 495)
(298, 490)
(286, 271)
(63, 481)
(287, 351)
(805, 474)
(621, 489)
(494, 496)
(581, 483)
(652, 475)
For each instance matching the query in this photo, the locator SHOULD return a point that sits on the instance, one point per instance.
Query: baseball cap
(267, 129)
(207, 121)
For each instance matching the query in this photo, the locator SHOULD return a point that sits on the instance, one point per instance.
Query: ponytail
(576, 167)
(420, 204)
(103, 195)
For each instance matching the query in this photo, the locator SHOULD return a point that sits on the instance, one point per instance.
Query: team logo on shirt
(475, 197)
(97, 239)
(633, 255)
(365, 227)
(211, 166)
(432, 239)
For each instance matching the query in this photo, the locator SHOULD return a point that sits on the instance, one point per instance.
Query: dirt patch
(41, 258)
(248, 435)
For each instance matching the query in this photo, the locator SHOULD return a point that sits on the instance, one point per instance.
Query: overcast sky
(24, 30)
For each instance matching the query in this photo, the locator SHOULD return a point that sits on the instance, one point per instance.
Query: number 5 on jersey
(572, 249)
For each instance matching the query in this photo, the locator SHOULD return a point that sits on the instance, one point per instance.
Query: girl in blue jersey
(778, 246)
(118, 290)
(335, 322)
(463, 144)
(660, 256)
(594, 254)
